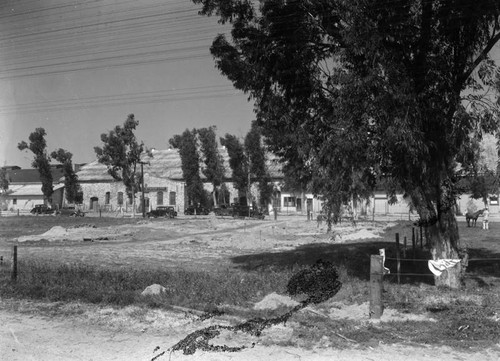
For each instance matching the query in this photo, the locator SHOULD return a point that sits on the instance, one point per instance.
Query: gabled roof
(165, 164)
(31, 176)
(28, 190)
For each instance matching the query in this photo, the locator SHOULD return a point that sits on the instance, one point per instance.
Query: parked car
(77, 213)
(199, 210)
(70, 211)
(224, 210)
(41, 209)
(162, 211)
(247, 211)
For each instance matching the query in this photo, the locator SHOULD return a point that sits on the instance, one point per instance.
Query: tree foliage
(214, 169)
(121, 153)
(72, 187)
(187, 145)
(238, 163)
(477, 177)
(349, 92)
(4, 180)
(256, 155)
(41, 160)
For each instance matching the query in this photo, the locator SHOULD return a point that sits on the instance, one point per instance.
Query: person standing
(486, 215)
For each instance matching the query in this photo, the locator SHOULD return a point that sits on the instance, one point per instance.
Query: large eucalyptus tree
(349, 91)
(121, 153)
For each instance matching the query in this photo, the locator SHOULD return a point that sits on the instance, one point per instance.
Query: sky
(78, 68)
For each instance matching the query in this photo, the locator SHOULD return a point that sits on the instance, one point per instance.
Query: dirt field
(205, 241)
(188, 242)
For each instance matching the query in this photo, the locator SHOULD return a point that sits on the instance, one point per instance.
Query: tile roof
(28, 190)
(25, 176)
(165, 164)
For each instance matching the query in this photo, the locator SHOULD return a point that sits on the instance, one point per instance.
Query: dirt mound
(81, 233)
(273, 301)
(361, 234)
(53, 234)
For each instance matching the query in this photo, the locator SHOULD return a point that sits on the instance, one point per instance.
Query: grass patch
(194, 289)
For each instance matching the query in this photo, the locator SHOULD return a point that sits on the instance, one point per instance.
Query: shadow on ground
(484, 255)
(353, 257)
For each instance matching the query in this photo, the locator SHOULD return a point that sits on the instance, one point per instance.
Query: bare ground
(95, 333)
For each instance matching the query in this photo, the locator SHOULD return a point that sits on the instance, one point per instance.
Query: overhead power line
(193, 93)
(133, 36)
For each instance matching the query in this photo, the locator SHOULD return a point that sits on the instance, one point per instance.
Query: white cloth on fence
(382, 253)
(438, 266)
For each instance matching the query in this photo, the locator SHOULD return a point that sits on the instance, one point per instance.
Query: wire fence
(406, 264)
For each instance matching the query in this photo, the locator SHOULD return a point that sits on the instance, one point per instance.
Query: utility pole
(249, 195)
(143, 202)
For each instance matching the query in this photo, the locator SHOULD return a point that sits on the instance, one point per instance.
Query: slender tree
(238, 163)
(121, 153)
(41, 161)
(4, 181)
(258, 172)
(364, 90)
(71, 186)
(214, 169)
(187, 145)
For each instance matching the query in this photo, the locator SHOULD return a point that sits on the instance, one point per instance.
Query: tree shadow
(353, 257)
(483, 262)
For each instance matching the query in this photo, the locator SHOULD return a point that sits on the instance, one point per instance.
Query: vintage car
(224, 210)
(70, 211)
(42, 209)
(199, 210)
(247, 211)
(162, 211)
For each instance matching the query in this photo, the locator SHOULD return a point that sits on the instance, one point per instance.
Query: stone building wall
(95, 196)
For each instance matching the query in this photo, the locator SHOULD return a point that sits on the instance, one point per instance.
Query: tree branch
(480, 58)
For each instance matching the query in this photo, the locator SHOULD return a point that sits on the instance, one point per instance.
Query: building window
(159, 198)
(107, 197)
(172, 198)
(120, 198)
(289, 201)
(14, 201)
(129, 196)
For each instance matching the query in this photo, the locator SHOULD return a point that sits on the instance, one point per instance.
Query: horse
(472, 217)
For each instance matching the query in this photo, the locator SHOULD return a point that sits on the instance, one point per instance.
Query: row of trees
(41, 161)
(121, 152)
(351, 92)
(199, 151)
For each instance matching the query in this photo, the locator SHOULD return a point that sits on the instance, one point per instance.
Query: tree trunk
(214, 196)
(444, 240)
(133, 201)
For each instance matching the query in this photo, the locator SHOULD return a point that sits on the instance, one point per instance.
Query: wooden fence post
(376, 286)
(13, 274)
(404, 248)
(421, 239)
(398, 257)
(413, 241)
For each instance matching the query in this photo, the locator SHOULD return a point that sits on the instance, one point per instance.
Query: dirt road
(27, 337)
